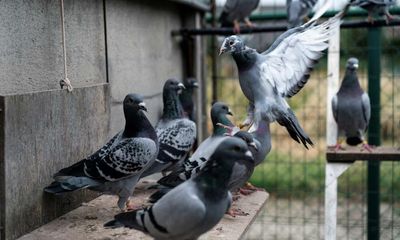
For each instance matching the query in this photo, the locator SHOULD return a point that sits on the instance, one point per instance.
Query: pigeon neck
(262, 132)
(172, 106)
(137, 125)
(213, 180)
(218, 130)
(350, 81)
(245, 58)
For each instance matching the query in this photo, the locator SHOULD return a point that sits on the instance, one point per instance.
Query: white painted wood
(332, 85)
(332, 173)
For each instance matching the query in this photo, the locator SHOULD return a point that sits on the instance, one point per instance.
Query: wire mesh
(294, 176)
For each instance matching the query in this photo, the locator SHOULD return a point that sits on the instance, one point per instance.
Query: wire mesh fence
(294, 176)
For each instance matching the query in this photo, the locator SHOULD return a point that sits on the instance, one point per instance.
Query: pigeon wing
(335, 107)
(178, 213)
(297, 55)
(127, 158)
(176, 141)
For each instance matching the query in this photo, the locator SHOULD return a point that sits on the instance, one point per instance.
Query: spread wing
(288, 65)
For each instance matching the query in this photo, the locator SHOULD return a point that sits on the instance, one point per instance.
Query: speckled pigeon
(186, 98)
(351, 107)
(235, 11)
(375, 7)
(219, 112)
(281, 71)
(117, 166)
(297, 11)
(195, 206)
(176, 134)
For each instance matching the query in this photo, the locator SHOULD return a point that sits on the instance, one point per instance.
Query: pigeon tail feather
(171, 180)
(292, 125)
(158, 195)
(129, 220)
(353, 141)
(113, 224)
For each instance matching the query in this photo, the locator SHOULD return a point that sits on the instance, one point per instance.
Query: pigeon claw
(233, 212)
(367, 147)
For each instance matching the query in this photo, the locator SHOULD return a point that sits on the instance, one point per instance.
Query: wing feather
(288, 65)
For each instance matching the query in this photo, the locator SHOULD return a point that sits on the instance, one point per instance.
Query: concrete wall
(44, 132)
(31, 51)
(127, 43)
(141, 52)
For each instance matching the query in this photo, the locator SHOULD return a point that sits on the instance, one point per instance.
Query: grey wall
(30, 44)
(141, 52)
(44, 132)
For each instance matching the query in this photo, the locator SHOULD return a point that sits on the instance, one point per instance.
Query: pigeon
(375, 7)
(194, 207)
(242, 170)
(281, 71)
(297, 11)
(235, 11)
(176, 134)
(351, 107)
(186, 98)
(219, 112)
(117, 166)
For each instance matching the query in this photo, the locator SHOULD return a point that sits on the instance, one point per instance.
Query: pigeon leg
(339, 146)
(366, 146)
(236, 26)
(370, 19)
(248, 22)
(245, 191)
(389, 17)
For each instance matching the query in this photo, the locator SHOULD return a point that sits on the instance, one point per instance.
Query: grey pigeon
(351, 107)
(375, 7)
(297, 11)
(117, 166)
(176, 134)
(281, 71)
(219, 112)
(194, 207)
(187, 98)
(242, 170)
(235, 11)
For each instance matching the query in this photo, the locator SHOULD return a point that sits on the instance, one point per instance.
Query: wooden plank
(87, 221)
(43, 132)
(351, 154)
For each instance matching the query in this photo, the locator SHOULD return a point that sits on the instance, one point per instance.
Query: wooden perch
(86, 222)
(351, 154)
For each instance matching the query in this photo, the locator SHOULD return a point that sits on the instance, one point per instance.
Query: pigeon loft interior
(199, 119)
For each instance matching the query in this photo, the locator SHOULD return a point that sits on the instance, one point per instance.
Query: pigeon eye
(231, 42)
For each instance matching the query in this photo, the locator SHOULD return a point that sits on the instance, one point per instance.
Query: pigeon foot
(236, 26)
(250, 186)
(366, 146)
(233, 212)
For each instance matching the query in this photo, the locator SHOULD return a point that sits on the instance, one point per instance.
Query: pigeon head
(172, 86)
(248, 138)
(134, 103)
(218, 170)
(191, 83)
(352, 63)
(232, 44)
(219, 112)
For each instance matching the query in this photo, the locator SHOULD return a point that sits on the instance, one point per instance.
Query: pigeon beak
(254, 145)
(230, 113)
(223, 48)
(142, 106)
(181, 86)
(356, 66)
(195, 85)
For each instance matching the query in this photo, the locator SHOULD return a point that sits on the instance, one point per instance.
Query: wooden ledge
(351, 154)
(86, 222)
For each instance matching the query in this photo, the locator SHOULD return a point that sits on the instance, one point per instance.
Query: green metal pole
(374, 72)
